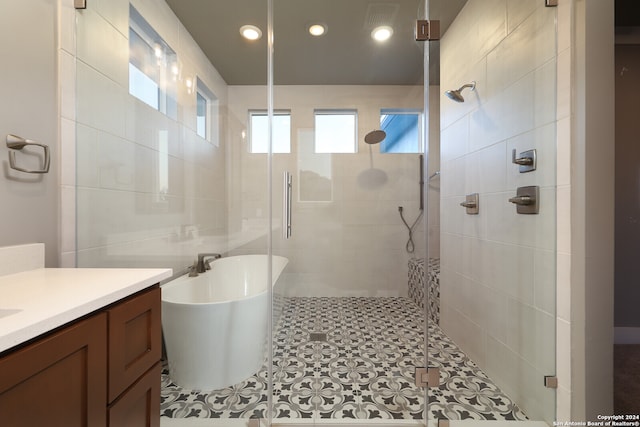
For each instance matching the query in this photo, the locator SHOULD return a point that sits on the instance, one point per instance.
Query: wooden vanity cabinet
(98, 371)
(135, 349)
(60, 380)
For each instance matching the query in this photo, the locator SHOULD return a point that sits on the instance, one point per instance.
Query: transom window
(335, 131)
(206, 113)
(403, 131)
(153, 66)
(259, 131)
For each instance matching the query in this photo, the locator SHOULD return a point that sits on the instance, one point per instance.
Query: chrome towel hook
(15, 142)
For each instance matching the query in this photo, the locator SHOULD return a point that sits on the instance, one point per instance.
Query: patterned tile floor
(364, 369)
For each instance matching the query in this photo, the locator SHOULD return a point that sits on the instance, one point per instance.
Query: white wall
(592, 209)
(355, 244)
(28, 90)
(498, 267)
(122, 218)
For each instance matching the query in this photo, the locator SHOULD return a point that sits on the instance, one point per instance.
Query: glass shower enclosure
(328, 148)
(343, 319)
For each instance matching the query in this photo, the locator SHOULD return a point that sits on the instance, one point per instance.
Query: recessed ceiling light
(382, 33)
(317, 29)
(250, 32)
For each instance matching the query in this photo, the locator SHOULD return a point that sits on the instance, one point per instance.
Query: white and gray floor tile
(345, 358)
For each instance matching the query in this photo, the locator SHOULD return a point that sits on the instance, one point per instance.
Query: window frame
(336, 112)
(264, 113)
(211, 124)
(404, 111)
(144, 38)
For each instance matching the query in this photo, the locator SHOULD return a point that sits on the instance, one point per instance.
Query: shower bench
(417, 286)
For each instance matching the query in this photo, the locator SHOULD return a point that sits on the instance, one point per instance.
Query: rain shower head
(375, 137)
(456, 94)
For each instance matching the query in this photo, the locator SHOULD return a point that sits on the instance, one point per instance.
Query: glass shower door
(496, 332)
(348, 118)
(164, 172)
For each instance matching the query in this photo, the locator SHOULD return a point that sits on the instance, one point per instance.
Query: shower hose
(410, 246)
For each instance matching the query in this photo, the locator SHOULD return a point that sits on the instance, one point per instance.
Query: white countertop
(51, 297)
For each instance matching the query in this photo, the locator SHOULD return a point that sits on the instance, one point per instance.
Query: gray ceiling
(346, 54)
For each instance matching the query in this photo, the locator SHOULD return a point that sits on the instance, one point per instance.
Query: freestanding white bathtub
(215, 324)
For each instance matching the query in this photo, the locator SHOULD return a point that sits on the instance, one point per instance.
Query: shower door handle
(286, 208)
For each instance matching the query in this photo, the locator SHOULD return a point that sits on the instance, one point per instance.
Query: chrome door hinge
(80, 4)
(550, 381)
(253, 422)
(427, 377)
(427, 30)
(551, 3)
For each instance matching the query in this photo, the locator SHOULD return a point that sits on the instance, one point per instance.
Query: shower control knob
(527, 160)
(527, 200)
(520, 160)
(523, 200)
(471, 203)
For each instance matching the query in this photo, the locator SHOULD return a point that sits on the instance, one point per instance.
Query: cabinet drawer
(134, 340)
(139, 406)
(60, 380)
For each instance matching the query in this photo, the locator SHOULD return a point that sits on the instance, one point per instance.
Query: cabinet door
(60, 380)
(135, 340)
(139, 406)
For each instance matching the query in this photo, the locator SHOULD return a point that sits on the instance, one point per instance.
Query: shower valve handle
(523, 200)
(525, 161)
(471, 203)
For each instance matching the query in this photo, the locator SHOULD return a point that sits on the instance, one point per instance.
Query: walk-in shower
(194, 164)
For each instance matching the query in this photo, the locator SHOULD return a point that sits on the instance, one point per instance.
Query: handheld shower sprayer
(410, 246)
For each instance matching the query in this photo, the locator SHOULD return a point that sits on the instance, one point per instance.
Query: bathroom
(211, 195)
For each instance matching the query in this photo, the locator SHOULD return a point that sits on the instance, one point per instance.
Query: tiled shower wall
(217, 198)
(123, 217)
(353, 245)
(498, 268)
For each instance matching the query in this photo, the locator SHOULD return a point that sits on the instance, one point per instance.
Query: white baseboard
(626, 335)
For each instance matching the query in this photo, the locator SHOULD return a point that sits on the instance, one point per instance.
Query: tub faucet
(203, 265)
(193, 270)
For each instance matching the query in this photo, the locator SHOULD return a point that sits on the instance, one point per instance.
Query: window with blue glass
(403, 131)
